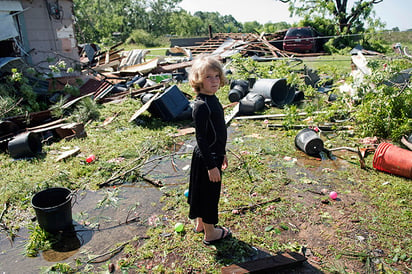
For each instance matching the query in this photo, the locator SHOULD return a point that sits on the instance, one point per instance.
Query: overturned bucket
(251, 103)
(53, 209)
(26, 144)
(274, 89)
(393, 159)
(309, 142)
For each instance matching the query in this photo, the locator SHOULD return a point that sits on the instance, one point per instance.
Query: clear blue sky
(395, 13)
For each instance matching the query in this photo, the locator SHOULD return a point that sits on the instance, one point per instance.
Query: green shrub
(142, 38)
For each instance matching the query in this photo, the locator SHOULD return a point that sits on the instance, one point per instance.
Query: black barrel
(26, 144)
(251, 103)
(275, 89)
(238, 90)
(309, 142)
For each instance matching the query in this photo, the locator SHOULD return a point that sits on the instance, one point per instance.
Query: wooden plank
(266, 265)
(232, 114)
(67, 154)
(144, 107)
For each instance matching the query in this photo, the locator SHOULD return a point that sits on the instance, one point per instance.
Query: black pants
(203, 194)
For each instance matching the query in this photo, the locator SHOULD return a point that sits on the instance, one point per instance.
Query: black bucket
(238, 90)
(274, 89)
(251, 103)
(54, 209)
(309, 142)
(27, 144)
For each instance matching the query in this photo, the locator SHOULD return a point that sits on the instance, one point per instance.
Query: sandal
(223, 236)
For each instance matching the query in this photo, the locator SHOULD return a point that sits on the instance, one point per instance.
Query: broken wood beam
(323, 128)
(273, 116)
(266, 265)
(144, 107)
(232, 114)
(67, 154)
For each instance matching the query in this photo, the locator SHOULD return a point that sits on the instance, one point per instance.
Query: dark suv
(304, 39)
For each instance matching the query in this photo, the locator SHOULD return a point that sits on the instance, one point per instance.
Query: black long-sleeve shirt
(211, 132)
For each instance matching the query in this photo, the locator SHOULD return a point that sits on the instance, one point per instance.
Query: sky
(395, 13)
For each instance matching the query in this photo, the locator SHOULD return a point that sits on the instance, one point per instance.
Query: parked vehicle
(303, 39)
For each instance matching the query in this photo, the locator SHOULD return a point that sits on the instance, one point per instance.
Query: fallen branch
(357, 151)
(244, 208)
(6, 206)
(244, 164)
(12, 107)
(344, 148)
(110, 254)
(124, 173)
(156, 183)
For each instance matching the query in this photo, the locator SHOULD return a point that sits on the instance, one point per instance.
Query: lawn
(274, 198)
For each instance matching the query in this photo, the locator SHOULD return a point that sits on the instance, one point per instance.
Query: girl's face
(211, 82)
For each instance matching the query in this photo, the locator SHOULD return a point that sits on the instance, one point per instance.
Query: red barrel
(393, 159)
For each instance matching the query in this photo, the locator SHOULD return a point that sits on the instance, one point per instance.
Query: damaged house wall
(39, 30)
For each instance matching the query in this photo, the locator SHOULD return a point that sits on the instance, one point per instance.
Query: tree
(345, 17)
(184, 24)
(252, 27)
(99, 19)
(160, 12)
(219, 23)
(274, 27)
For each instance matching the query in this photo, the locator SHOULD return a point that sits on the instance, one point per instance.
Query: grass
(267, 200)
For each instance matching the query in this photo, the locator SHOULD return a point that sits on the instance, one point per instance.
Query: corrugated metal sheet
(10, 5)
(7, 27)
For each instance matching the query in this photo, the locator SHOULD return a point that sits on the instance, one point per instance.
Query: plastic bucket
(393, 159)
(290, 96)
(309, 142)
(238, 90)
(274, 89)
(251, 103)
(27, 144)
(53, 209)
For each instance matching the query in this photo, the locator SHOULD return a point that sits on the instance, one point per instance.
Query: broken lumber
(232, 114)
(67, 154)
(274, 116)
(323, 128)
(144, 107)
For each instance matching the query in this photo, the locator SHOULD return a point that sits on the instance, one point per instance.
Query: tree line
(142, 21)
(148, 22)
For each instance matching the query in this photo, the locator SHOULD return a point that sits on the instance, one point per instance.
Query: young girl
(209, 155)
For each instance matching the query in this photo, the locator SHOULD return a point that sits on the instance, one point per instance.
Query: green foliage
(348, 17)
(39, 240)
(252, 27)
(142, 38)
(274, 27)
(183, 24)
(386, 107)
(60, 268)
(86, 110)
(16, 88)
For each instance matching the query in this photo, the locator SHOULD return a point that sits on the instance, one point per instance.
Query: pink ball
(333, 195)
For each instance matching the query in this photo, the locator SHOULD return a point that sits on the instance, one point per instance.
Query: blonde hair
(200, 66)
